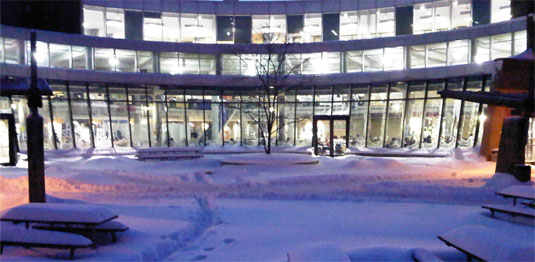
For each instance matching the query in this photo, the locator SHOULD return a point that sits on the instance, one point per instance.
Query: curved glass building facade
(182, 73)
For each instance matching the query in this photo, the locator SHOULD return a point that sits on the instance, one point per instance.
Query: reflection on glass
(500, 10)
(60, 56)
(114, 23)
(94, 21)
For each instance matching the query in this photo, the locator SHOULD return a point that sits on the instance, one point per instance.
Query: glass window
(416, 90)
(144, 61)
(461, 14)
(152, 27)
(468, 124)
(100, 117)
(62, 119)
(377, 115)
(250, 130)
(357, 131)
(230, 64)
(277, 28)
(417, 56)
(330, 63)
(260, 33)
(114, 22)
(171, 27)
(94, 21)
(41, 53)
(353, 61)
(413, 123)
(206, 32)
(169, 63)
(386, 22)
(190, 30)
(396, 108)
(12, 48)
(139, 113)
(482, 49)
(349, 25)
(207, 64)
(431, 123)
(295, 24)
(119, 116)
(80, 116)
(436, 54)
(105, 59)
(311, 63)
(500, 10)
(312, 28)
(292, 63)
(2, 50)
(394, 58)
(175, 113)
(423, 18)
(60, 56)
(304, 116)
(442, 15)
(449, 123)
(520, 40)
(368, 21)
(49, 134)
(458, 52)
(373, 60)
(501, 46)
(126, 60)
(79, 57)
(189, 63)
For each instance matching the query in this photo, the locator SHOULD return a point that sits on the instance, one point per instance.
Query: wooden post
(34, 122)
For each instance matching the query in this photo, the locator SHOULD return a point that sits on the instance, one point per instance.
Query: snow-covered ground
(357, 208)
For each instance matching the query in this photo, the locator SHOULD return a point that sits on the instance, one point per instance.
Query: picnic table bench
(41, 238)
(511, 210)
(70, 215)
(518, 192)
(486, 244)
(111, 227)
(166, 153)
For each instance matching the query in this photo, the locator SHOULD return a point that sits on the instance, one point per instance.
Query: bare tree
(272, 69)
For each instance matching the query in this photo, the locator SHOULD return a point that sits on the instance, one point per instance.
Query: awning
(20, 86)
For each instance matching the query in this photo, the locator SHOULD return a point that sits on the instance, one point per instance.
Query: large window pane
(349, 25)
(386, 22)
(442, 15)
(423, 18)
(312, 29)
(417, 56)
(138, 117)
(458, 52)
(105, 59)
(100, 116)
(449, 123)
(169, 63)
(377, 116)
(436, 54)
(175, 111)
(519, 46)
(12, 51)
(152, 26)
(60, 56)
(62, 119)
(368, 22)
(482, 49)
(144, 61)
(354, 61)
(394, 58)
(79, 57)
(501, 46)
(94, 21)
(126, 60)
(80, 116)
(207, 64)
(304, 116)
(461, 14)
(114, 23)
(373, 60)
(433, 109)
(330, 63)
(171, 27)
(500, 10)
(119, 116)
(231, 123)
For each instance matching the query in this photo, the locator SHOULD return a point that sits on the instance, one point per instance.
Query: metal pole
(34, 122)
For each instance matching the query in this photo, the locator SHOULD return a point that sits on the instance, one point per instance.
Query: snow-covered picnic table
(88, 216)
(518, 192)
(487, 244)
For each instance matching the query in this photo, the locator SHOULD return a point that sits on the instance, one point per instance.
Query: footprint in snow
(209, 248)
(199, 258)
(228, 240)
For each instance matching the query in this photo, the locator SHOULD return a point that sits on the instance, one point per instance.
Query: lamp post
(34, 123)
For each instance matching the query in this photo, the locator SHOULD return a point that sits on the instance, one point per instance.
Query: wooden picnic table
(518, 192)
(89, 216)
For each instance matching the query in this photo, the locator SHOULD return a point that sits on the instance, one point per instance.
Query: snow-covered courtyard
(352, 208)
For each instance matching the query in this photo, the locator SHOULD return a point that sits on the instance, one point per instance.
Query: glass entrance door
(330, 135)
